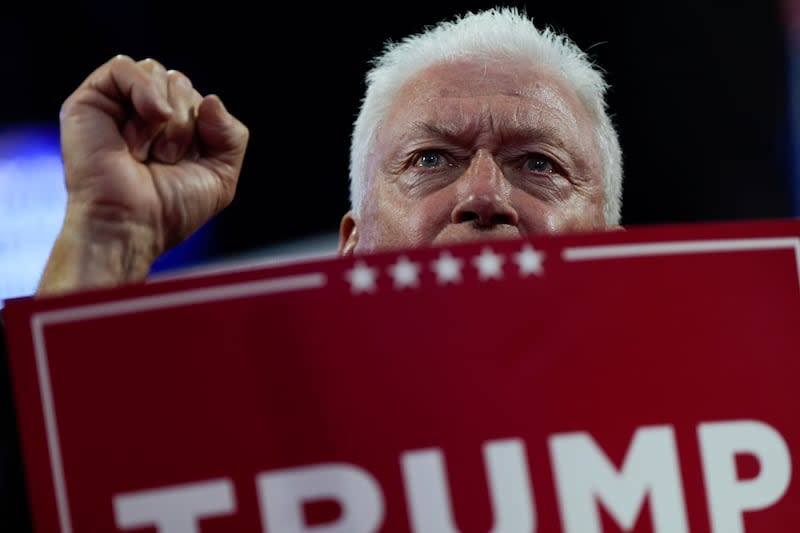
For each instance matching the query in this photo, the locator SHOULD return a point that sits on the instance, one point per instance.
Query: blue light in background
(32, 201)
(32, 205)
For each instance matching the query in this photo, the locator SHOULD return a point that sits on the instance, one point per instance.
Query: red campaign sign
(641, 380)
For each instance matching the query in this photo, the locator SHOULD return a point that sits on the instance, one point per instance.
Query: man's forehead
(494, 95)
(518, 85)
(473, 76)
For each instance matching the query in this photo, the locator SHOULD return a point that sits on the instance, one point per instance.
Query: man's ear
(348, 234)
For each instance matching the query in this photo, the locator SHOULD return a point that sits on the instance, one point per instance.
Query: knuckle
(181, 81)
(152, 66)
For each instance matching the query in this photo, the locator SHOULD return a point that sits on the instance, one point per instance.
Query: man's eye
(540, 163)
(429, 159)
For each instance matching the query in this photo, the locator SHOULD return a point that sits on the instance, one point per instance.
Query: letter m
(585, 476)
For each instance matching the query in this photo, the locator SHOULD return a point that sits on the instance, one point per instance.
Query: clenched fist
(147, 161)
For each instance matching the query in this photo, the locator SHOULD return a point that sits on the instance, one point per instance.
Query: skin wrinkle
(517, 140)
(547, 128)
(484, 125)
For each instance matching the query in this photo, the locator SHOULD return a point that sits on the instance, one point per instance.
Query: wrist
(96, 248)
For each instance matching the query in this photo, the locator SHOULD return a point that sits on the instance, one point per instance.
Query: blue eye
(540, 163)
(429, 159)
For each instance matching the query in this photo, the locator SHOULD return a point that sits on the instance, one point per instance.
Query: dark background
(699, 94)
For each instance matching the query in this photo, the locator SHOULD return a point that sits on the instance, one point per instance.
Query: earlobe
(348, 234)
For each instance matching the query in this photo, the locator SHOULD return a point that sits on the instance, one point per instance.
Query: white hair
(503, 32)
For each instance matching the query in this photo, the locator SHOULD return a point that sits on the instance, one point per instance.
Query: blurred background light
(32, 203)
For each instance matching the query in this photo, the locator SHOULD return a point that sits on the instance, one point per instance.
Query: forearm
(95, 252)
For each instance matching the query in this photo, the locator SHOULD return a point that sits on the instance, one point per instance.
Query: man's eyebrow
(545, 130)
(513, 133)
(419, 126)
(447, 133)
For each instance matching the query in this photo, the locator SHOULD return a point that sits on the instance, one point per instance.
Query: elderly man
(481, 127)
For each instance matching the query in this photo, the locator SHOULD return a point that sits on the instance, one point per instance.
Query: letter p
(729, 496)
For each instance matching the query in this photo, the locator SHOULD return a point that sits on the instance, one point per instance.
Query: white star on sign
(447, 268)
(529, 261)
(362, 278)
(489, 264)
(405, 273)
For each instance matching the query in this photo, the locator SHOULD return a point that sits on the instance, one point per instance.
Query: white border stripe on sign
(617, 251)
(39, 321)
(614, 251)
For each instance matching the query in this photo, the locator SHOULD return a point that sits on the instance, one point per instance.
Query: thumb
(223, 137)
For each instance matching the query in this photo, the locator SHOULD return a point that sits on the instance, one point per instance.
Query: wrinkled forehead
(470, 96)
(473, 78)
(530, 91)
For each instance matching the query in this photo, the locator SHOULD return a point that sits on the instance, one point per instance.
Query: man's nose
(484, 195)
